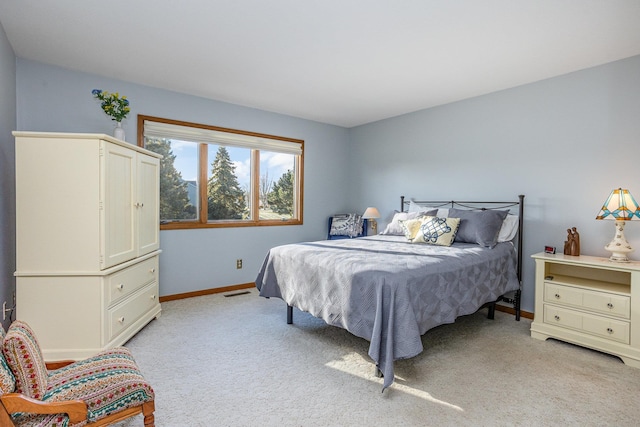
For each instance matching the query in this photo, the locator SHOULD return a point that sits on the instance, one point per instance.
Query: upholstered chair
(98, 391)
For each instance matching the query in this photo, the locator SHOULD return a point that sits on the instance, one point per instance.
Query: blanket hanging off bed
(386, 290)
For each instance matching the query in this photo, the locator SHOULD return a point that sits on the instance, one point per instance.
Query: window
(217, 177)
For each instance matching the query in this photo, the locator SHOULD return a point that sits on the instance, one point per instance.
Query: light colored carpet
(217, 361)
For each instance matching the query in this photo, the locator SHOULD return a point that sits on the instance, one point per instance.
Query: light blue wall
(58, 100)
(558, 141)
(7, 172)
(564, 143)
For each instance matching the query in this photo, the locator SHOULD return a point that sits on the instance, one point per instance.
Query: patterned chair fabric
(7, 380)
(22, 352)
(108, 382)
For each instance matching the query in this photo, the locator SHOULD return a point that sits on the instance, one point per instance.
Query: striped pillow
(24, 357)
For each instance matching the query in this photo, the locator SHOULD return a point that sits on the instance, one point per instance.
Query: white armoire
(87, 240)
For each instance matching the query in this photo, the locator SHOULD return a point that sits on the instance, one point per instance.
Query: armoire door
(118, 211)
(148, 204)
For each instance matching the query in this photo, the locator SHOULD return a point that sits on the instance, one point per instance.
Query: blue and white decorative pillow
(432, 230)
(346, 225)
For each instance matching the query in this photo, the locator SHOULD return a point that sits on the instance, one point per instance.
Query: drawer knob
(609, 330)
(153, 297)
(609, 305)
(121, 319)
(556, 317)
(557, 296)
(120, 286)
(152, 270)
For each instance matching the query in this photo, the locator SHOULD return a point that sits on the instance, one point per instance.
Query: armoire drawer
(127, 281)
(598, 302)
(131, 309)
(604, 327)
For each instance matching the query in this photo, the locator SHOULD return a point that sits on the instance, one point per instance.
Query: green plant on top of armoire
(114, 105)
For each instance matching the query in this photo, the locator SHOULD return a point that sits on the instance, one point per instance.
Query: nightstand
(589, 301)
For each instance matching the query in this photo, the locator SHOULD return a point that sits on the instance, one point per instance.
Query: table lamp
(621, 207)
(371, 214)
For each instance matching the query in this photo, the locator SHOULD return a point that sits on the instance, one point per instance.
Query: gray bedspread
(387, 290)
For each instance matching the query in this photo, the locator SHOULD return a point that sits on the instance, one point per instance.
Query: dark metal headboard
(480, 206)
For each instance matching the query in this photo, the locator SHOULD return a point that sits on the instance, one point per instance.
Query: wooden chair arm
(51, 366)
(16, 402)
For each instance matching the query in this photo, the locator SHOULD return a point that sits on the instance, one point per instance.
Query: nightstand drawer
(614, 330)
(613, 305)
(596, 301)
(560, 317)
(611, 329)
(560, 294)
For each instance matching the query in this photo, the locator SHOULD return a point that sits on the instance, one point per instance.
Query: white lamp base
(619, 247)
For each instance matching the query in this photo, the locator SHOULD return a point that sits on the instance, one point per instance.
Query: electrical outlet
(239, 263)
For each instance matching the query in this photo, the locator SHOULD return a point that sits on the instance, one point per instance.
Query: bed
(389, 290)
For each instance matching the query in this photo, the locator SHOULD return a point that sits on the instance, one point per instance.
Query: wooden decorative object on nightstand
(589, 301)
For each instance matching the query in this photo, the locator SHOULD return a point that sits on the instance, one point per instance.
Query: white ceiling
(344, 62)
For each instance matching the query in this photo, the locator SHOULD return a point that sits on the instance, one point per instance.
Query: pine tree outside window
(218, 177)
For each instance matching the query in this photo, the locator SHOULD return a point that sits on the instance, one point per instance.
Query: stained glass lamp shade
(621, 207)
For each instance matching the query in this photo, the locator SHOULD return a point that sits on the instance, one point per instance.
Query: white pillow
(394, 228)
(414, 207)
(509, 228)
